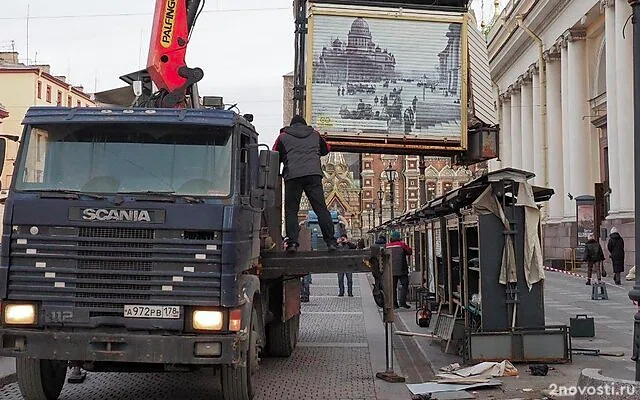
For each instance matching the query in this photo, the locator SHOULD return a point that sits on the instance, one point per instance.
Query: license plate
(161, 312)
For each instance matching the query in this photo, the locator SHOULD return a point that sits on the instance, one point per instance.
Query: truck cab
(131, 242)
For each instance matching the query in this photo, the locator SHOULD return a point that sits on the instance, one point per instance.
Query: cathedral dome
(359, 27)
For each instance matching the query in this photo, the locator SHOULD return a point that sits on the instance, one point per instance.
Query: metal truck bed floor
(278, 264)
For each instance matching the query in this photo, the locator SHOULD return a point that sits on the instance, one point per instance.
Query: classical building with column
(562, 70)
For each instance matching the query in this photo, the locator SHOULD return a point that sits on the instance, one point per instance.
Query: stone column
(624, 103)
(516, 129)
(612, 109)
(538, 139)
(505, 132)
(579, 149)
(569, 206)
(526, 94)
(554, 133)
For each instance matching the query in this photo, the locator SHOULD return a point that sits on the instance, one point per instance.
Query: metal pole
(388, 318)
(393, 201)
(299, 80)
(422, 179)
(380, 216)
(634, 294)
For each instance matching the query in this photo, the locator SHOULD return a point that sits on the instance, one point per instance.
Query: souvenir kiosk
(485, 255)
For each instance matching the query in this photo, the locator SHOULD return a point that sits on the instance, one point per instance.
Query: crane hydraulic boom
(166, 65)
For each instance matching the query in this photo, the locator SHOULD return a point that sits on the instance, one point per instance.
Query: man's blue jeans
(349, 283)
(306, 281)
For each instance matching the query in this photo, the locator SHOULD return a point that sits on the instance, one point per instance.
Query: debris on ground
(539, 370)
(436, 387)
(483, 370)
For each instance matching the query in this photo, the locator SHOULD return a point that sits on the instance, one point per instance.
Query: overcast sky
(244, 46)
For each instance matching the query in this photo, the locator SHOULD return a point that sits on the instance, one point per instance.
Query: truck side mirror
(269, 169)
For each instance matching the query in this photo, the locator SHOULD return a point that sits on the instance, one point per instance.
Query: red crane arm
(166, 63)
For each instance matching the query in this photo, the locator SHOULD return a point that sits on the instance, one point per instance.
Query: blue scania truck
(147, 240)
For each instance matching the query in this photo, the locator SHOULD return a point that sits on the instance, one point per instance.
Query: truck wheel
(282, 337)
(236, 380)
(40, 379)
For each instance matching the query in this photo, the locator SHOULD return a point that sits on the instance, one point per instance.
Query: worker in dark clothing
(594, 256)
(345, 244)
(616, 252)
(300, 148)
(400, 270)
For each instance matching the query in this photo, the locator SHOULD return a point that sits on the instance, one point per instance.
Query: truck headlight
(208, 320)
(20, 314)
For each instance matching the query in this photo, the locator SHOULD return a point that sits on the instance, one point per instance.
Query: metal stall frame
(520, 345)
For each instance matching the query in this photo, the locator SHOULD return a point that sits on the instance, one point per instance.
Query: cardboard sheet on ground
(481, 370)
(434, 387)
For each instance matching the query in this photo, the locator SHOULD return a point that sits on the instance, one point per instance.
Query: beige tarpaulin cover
(488, 203)
(482, 370)
(533, 264)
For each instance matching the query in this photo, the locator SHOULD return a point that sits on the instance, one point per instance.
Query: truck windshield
(127, 158)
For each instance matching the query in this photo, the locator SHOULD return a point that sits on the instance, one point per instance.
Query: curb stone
(591, 377)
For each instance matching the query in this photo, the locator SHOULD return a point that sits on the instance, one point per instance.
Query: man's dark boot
(292, 247)
(588, 282)
(331, 247)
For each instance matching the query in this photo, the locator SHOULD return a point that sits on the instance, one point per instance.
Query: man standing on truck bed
(300, 148)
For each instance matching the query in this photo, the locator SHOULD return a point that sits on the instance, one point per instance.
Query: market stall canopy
(467, 194)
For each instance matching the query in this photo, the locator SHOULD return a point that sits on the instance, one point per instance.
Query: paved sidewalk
(340, 349)
(565, 296)
(7, 370)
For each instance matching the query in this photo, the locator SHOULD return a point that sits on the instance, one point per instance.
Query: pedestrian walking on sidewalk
(300, 147)
(345, 244)
(400, 270)
(594, 256)
(616, 253)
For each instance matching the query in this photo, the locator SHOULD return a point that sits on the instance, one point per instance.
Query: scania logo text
(101, 214)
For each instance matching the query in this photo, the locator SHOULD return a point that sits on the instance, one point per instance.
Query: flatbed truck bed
(277, 264)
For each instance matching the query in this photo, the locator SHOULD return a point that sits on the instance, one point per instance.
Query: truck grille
(101, 269)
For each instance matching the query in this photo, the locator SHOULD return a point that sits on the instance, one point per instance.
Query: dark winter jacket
(616, 251)
(300, 148)
(593, 251)
(381, 241)
(400, 266)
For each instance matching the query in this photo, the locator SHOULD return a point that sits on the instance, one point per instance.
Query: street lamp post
(373, 212)
(422, 179)
(391, 177)
(380, 194)
(634, 294)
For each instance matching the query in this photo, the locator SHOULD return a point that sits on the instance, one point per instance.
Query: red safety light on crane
(166, 65)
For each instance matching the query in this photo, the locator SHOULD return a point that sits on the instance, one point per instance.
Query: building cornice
(574, 35)
(43, 74)
(607, 4)
(511, 42)
(551, 55)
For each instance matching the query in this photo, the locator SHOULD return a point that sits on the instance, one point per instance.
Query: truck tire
(236, 381)
(282, 337)
(40, 379)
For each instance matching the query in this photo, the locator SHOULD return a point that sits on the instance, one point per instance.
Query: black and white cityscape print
(387, 76)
